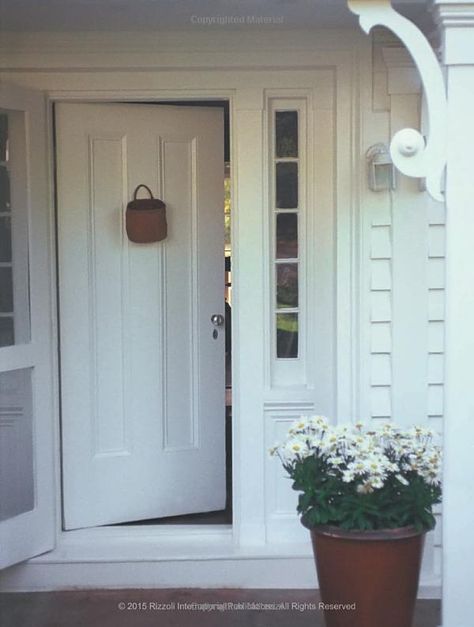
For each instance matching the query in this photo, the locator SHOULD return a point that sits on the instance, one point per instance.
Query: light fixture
(380, 168)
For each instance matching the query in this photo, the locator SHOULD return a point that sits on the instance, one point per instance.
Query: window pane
(286, 131)
(16, 444)
(14, 269)
(287, 185)
(7, 334)
(3, 137)
(5, 239)
(287, 335)
(4, 189)
(6, 290)
(286, 236)
(287, 285)
(227, 208)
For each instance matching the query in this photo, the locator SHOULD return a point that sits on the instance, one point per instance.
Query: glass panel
(16, 444)
(6, 290)
(7, 334)
(287, 285)
(4, 189)
(287, 335)
(286, 236)
(3, 137)
(227, 208)
(14, 270)
(287, 185)
(286, 131)
(5, 239)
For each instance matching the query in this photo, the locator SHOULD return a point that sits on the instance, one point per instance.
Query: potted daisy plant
(367, 497)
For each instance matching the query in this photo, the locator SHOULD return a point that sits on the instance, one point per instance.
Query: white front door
(142, 366)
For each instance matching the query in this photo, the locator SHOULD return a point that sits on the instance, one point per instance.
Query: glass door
(26, 408)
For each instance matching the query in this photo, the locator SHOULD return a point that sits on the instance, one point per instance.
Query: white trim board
(195, 561)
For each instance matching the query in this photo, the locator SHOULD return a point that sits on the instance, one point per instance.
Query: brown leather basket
(145, 218)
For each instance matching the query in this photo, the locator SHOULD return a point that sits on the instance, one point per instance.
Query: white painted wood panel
(247, 290)
(181, 297)
(381, 337)
(381, 306)
(282, 524)
(458, 538)
(142, 376)
(108, 283)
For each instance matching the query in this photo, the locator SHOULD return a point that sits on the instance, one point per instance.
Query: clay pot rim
(398, 533)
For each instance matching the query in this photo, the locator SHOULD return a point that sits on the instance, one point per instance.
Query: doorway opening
(101, 254)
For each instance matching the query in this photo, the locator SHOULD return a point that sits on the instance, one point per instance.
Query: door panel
(27, 496)
(142, 377)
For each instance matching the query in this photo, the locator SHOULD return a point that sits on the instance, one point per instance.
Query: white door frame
(111, 97)
(192, 447)
(130, 96)
(243, 531)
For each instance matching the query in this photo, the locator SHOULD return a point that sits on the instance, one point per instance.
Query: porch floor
(100, 608)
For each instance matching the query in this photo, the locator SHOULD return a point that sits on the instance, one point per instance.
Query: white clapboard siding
(436, 313)
(380, 268)
(402, 284)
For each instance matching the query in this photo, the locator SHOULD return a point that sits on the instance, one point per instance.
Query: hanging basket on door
(145, 218)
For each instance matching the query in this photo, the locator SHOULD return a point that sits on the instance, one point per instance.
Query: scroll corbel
(410, 153)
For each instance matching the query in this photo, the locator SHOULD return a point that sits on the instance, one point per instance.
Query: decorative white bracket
(408, 150)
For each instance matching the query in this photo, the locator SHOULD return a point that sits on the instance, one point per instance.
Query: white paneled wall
(281, 499)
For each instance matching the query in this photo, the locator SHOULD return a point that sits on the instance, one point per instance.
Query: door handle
(217, 320)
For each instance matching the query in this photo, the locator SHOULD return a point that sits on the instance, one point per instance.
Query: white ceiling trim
(192, 15)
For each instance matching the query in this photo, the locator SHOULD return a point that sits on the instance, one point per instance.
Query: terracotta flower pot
(368, 578)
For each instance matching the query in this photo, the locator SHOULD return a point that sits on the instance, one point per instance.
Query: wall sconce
(381, 171)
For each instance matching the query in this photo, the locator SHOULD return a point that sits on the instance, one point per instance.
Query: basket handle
(138, 187)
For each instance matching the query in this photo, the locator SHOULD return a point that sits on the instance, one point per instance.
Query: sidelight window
(286, 164)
